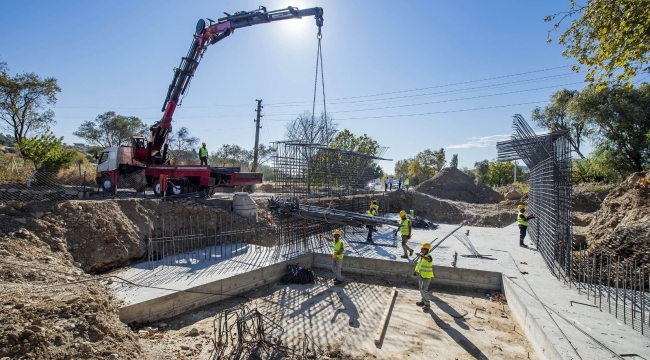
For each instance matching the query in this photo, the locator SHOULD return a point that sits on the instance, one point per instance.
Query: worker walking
(522, 220)
(407, 182)
(385, 184)
(337, 255)
(405, 228)
(203, 154)
(399, 184)
(424, 268)
(370, 212)
(390, 183)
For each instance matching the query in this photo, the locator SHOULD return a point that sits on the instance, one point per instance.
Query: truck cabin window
(103, 158)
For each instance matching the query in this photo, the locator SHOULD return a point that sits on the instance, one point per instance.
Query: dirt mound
(100, 235)
(454, 212)
(588, 197)
(622, 224)
(453, 184)
(48, 314)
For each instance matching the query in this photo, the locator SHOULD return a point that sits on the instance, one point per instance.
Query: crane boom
(204, 36)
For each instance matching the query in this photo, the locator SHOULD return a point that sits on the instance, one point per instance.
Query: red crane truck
(145, 162)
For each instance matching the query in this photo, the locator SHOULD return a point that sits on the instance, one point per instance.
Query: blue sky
(119, 55)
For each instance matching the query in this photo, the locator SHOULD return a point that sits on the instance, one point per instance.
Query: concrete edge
(543, 346)
(402, 271)
(182, 301)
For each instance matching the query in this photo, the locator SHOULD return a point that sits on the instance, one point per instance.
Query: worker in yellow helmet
(337, 255)
(371, 212)
(522, 220)
(424, 268)
(203, 154)
(405, 228)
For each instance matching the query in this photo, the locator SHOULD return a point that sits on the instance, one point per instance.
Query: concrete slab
(342, 320)
(554, 336)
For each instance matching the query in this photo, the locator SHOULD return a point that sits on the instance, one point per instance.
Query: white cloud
(480, 141)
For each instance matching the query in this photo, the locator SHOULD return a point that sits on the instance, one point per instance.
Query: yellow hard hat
(402, 213)
(337, 232)
(426, 246)
(374, 201)
(521, 207)
(203, 143)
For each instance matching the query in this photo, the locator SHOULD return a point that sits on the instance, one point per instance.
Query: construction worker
(375, 205)
(371, 212)
(407, 182)
(405, 228)
(522, 219)
(203, 154)
(424, 268)
(337, 255)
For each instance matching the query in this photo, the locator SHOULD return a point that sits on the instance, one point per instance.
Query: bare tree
(308, 129)
(181, 146)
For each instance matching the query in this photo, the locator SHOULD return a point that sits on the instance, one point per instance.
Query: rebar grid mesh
(304, 170)
(549, 159)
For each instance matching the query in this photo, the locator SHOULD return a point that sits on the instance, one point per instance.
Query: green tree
(110, 129)
(454, 161)
(363, 144)
(481, 170)
(402, 168)
(621, 119)
(609, 35)
(46, 151)
(24, 103)
(556, 116)
(500, 173)
(232, 155)
(440, 159)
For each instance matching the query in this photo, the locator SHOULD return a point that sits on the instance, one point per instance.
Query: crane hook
(319, 35)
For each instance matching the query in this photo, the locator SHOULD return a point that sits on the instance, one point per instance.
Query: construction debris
(244, 333)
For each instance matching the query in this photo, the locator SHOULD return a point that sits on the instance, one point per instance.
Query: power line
(439, 86)
(432, 113)
(341, 98)
(450, 100)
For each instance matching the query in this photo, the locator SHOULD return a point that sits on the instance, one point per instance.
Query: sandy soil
(342, 320)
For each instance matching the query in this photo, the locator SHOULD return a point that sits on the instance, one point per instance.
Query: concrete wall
(183, 301)
(543, 346)
(403, 271)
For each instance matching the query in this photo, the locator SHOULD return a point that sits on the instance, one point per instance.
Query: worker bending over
(203, 154)
(405, 228)
(522, 219)
(370, 212)
(337, 255)
(424, 268)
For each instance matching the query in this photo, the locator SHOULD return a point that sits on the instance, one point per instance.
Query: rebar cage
(549, 159)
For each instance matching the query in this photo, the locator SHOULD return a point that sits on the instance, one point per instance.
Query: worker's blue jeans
(424, 290)
(522, 234)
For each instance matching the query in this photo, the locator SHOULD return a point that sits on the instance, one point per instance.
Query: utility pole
(515, 179)
(257, 134)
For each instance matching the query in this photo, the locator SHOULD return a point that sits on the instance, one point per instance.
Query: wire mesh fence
(20, 181)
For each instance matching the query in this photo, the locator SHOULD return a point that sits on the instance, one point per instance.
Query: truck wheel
(156, 188)
(174, 189)
(107, 184)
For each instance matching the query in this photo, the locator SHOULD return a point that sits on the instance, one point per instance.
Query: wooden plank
(381, 330)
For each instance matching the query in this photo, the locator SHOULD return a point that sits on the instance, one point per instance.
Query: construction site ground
(541, 296)
(343, 320)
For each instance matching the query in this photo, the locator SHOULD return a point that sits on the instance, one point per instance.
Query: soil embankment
(100, 235)
(453, 184)
(621, 226)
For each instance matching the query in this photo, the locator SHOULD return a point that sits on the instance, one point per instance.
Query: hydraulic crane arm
(204, 36)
